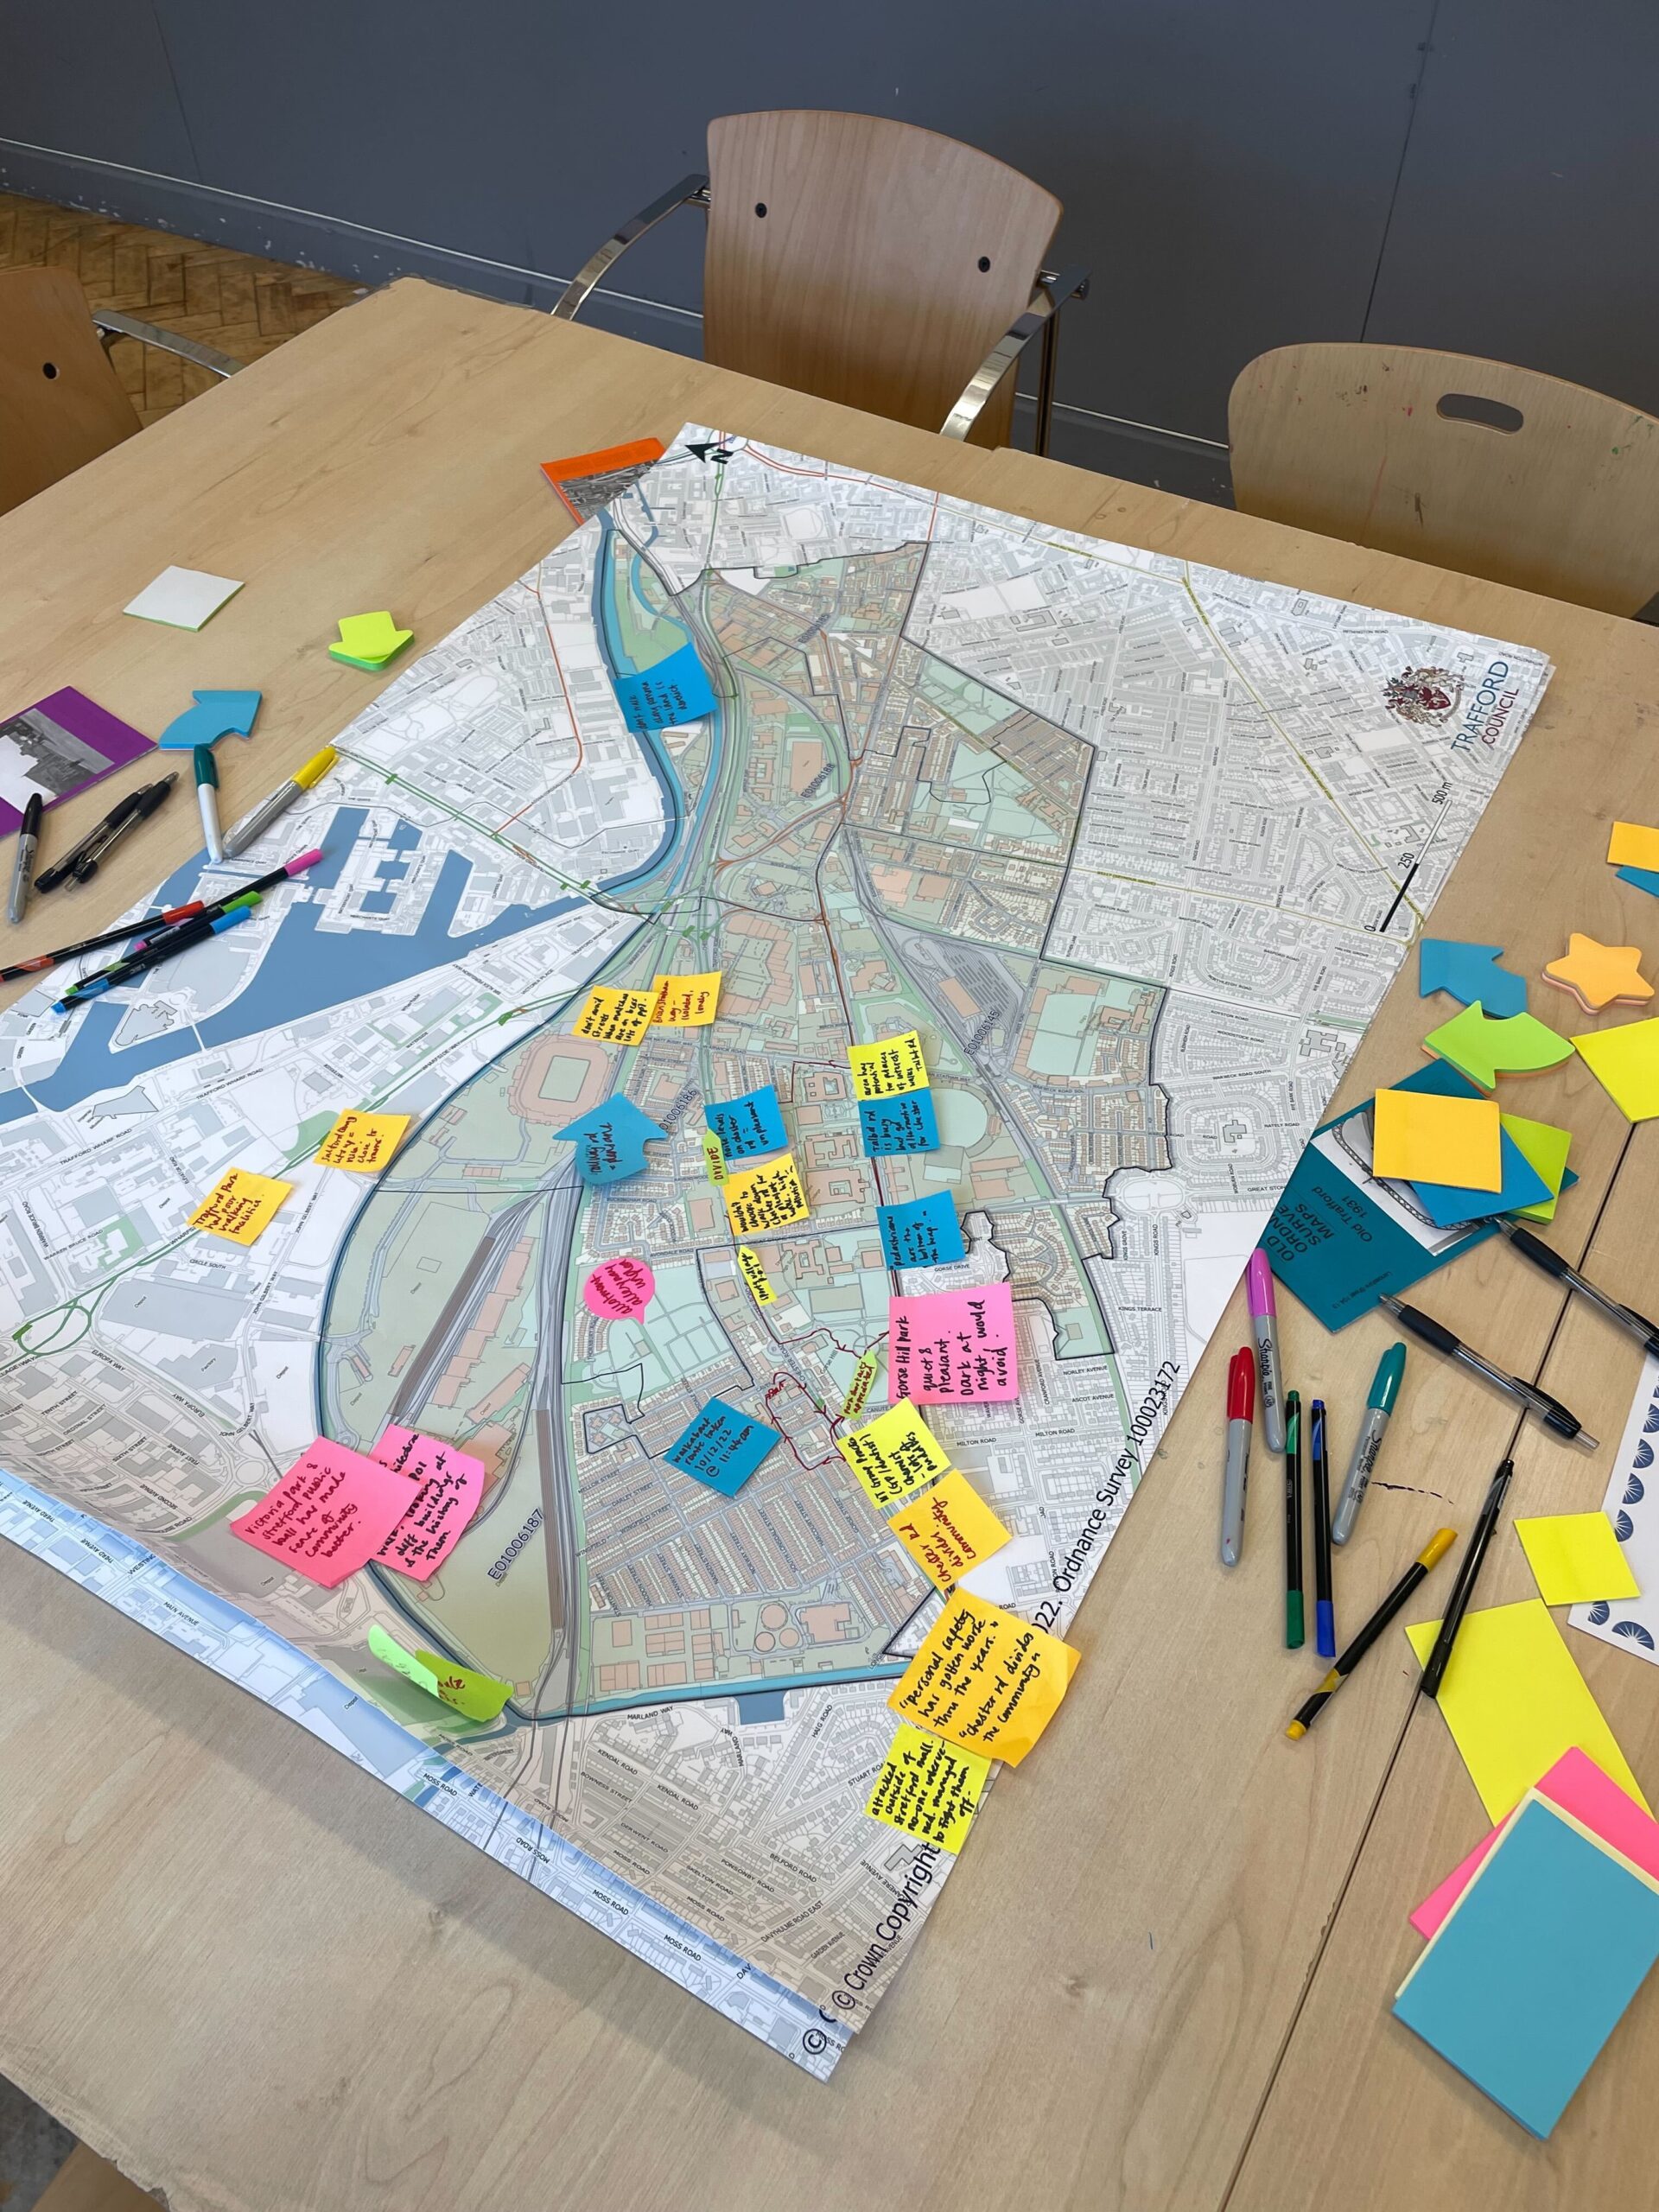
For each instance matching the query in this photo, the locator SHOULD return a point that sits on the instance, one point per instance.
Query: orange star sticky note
(1600, 974)
(1421, 1139)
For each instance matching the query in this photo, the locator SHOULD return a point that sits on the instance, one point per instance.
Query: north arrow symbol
(718, 454)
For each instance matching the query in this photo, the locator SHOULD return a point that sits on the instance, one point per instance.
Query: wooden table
(1161, 1977)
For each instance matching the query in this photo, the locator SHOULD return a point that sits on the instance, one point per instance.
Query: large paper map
(1136, 846)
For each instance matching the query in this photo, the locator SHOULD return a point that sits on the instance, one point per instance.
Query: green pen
(1385, 1388)
(1294, 1632)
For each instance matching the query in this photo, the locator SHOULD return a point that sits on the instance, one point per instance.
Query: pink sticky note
(1578, 1785)
(329, 1514)
(451, 1485)
(955, 1348)
(619, 1289)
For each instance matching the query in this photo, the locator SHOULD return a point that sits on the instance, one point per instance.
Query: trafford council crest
(1423, 695)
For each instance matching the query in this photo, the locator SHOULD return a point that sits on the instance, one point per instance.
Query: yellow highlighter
(249, 830)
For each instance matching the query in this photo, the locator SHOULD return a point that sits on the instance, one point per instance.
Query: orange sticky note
(985, 1680)
(1631, 845)
(240, 1206)
(949, 1530)
(614, 1017)
(329, 1514)
(685, 1002)
(363, 1142)
(1421, 1138)
(768, 1197)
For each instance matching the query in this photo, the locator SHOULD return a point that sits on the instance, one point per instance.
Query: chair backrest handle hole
(1489, 413)
(48, 369)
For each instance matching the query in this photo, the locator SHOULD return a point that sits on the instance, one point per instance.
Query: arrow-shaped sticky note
(215, 715)
(369, 641)
(1469, 972)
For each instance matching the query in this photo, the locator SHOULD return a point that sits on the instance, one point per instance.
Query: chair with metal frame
(872, 263)
(61, 403)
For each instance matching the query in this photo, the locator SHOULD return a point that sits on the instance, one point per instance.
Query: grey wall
(1239, 173)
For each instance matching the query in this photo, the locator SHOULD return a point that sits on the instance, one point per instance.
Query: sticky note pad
(1599, 974)
(329, 1514)
(363, 1142)
(753, 1268)
(748, 1126)
(1575, 1558)
(182, 598)
(983, 1679)
(241, 1205)
(949, 1530)
(894, 1125)
(1545, 1148)
(1642, 878)
(369, 641)
(685, 1002)
(1468, 972)
(894, 1455)
(928, 1789)
(391, 1653)
(889, 1067)
(1626, 1062)
(1631, 845)
(955, 1348)
(611, 1140)
(1530, 1974)
(770, 1196)
(721, 1447)
(1449, 1207)
(1515, 1701)
(449, 1489)
(1419, 1138)
(1484, 1049)
(923, 1234)
(474, 1695)
(614, 1017)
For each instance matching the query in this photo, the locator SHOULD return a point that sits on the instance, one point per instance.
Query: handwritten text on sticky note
(949, 1530)
(240, 1206)
(685, 1002)
(329, 1514)
(474, 1695)
(619, 1289)
(451, 1489)
(770, 1196)
(364, 1142)
(894, 1454)
(721, 1446)
(955, 1348)
(749, 1126)
(984, 1679)
(614, 1017)
(889, 1126)
(889, 1066)
(923, 1234)
(752, 1269)
(611, 1140)
(928, 1789)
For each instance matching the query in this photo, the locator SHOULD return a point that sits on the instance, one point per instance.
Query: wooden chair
(868, 262)
(1473, 465)
(61, 404)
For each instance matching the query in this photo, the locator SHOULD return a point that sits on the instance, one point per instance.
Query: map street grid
(1135, 847)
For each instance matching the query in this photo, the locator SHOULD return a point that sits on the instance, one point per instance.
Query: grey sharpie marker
(1385, 1388)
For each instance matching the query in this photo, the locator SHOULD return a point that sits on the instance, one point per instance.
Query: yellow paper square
(767, 1197)
(949, 1530)
(614, 1017)
(887, 1068)
(893, 1455)
(1630, 844)
(753, 1268)
(1515, 1701)
(1575, 1558)
(1544, 1148)
(240, 1206)
(1625, 1062)
(985, 1680)
(1422, 1138)
(363, 1142)
(685, 1002)
(928, 1789)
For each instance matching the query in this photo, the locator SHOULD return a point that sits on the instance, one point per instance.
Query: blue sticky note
(750, 1125)
(1644, 879)
(722, 1448)
(923, 1234)
(1536, 1964)
(1449, 1207)
(215, 715)
(1469, 972)
(676, 690)
(902, 1124)
(611, 1140)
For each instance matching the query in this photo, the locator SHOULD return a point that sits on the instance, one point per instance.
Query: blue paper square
(923, 1234)
(721, 1447)
(676, 690)
(902, 1124)
(748, 1126)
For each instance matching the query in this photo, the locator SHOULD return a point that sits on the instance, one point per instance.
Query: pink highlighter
(1264, 1327)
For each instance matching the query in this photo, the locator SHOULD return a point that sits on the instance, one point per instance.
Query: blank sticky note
(1632, 844)
(241, 1205)
(1545, 1147)
(369, 641)
(1625, 1062)
(1575, 1558)
(184, 597)
(1420, 1138)
(1515, 1701)
(1532, 1971)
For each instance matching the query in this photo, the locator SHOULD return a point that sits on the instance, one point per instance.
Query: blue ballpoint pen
(141, 964)
(1324, 1611)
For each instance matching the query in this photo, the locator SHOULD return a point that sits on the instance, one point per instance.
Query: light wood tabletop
(1161, 1976)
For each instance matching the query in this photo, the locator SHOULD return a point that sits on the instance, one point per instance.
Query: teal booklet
(1534, 1965)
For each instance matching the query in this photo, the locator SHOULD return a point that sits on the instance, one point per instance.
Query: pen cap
(1437, 1547)
(315, 768)
(1258, 1283)
(1241, 1385)
(1385, 1383)
(206, 768)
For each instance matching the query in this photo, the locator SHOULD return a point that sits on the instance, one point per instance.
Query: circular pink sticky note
(618, 1289)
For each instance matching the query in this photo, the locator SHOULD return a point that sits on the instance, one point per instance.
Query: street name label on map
(985, 1680)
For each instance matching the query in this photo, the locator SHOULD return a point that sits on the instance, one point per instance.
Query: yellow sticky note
(928, 1789)
(1625, 1062)
(685, 1002)
(364, 1142)
(614, 1017)
(240, 1206)
(1575, 1558)
(1423, 1139)
(893, 1455)
(370, 637)
(768, 1197)
(480, 1697)
(752, 1267)
(985, 1680)
(887, 1068)
(391, 1653)
(949, 1530)
(1515, 1701)
(1545, 1148)
(1633, 845)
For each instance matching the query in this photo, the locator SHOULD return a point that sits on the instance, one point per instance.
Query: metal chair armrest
(110, 327)
(1053, 290)
(690, 191)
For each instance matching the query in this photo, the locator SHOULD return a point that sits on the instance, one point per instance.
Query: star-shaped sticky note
(369, 641)
(1626, 1062)
(1468, 972)
(1600, 974)
(1417, 1138)
(1484, 1049)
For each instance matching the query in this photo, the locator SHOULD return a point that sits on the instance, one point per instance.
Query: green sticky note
(392, 1654)
(1545, 1148)
(480, 1697)
(369, 641)
(1484, 1049)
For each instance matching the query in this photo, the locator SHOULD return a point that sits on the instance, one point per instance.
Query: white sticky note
(186, 598)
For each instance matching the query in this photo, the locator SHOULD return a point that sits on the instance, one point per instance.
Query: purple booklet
(57, 747)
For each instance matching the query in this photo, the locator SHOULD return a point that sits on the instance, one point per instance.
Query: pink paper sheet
(955, 1348)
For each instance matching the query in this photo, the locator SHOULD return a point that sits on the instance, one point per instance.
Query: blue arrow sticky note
(721, 1447)
(1469, 972)
(923, 1234)
(1644, 879)
(676, 690)
(611, 1140)
(902, 1124)
(215, 715)
(750, 1125)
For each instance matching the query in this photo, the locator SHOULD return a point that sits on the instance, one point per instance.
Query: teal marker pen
(1385, 1388)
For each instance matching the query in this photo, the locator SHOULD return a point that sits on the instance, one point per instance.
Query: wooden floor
(234, 301)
